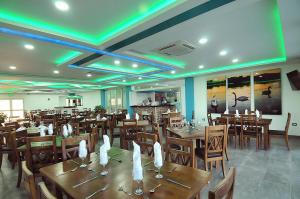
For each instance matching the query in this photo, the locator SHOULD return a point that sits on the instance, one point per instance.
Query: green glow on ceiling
(134, 82)
(165, 60)
(120, 68)
(101, 79)
(67, 57)
(279, 31)
(101, 37)
(225, 68)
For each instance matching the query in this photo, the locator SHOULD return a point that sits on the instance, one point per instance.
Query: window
(114, 99)
(12, 108)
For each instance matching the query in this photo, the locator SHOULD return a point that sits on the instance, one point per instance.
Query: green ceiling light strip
(280, 36)
(67, 57)
(102, 79)
(134, 82)
(225, 68)
(120, 69)
(165, 60)
(16, 19)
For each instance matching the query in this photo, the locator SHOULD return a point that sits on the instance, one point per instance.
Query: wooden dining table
(120, 175)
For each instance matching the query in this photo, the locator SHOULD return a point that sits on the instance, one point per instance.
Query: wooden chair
(215, 145)
(111, 125)
(146, 142)
(70, 146)
(155, 130)
(225, 188)
(44, 192)
(284, 133)
(40, 152)
(250, 129)
(129, 132)
(94, 138)
(209, 119)
(7, 146)
(29, 182)
(175, 122)
(184, 156)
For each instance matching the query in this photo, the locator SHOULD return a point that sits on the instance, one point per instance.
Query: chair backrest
(129, 122)
(40, 152)
(225, 188)
(184, 156)
(250, 124)
(94, 138)
(146, 142)
(215, 140)
(28, 180)
(70, 146)
(288, 122)
(175, 122)
(44, 192)
(155, 130)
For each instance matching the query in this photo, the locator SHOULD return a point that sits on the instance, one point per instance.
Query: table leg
(19, 168)
(266, 137)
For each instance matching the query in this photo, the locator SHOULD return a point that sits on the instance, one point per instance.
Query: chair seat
(200, 152)
(276, 132)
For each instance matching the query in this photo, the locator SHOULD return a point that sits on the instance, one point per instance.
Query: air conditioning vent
(176, 49)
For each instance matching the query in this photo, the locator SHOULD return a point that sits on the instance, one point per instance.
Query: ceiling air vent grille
(176, 48)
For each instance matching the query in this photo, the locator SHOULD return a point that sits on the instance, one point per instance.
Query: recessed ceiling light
(12, 67)
(235, 60)
(203, 40)
(140, 78)
(201, 66)
(223, 53)
(29, 46)
(61, 5)
(156, 84)
(117, 62)
(89, 75)
(173, 71)
(56, 71)
(124, 80)
(135, 65)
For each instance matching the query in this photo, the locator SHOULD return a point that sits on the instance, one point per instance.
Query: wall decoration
(216, 95)
(239, 93)
(267, 91)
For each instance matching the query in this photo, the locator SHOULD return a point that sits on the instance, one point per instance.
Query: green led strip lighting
(17, 19)
(102, 79)
(134, 82)
(165, 60)
(67, 57)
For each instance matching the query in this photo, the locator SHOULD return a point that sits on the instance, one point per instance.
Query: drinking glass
(138, 191)
(104, 172)
(82, 157)
(158, 175)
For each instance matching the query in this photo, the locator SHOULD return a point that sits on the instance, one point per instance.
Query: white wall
(290, 98)
(49, 101)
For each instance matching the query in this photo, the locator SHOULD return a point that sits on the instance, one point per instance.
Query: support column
(103, 100)
(189, 98)
(127, 100)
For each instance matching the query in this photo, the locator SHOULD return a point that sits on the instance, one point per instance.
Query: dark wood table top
(141, 123)
(120, 174)
(262, 121)
(188, 132)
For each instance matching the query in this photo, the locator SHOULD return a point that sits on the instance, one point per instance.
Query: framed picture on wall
(239, 93)
(216, 95)
(267, 91)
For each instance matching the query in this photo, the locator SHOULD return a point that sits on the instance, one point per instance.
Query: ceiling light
(135, 65)
(117, 62)
(235, 60)
(12, 67)
(124, 80)
(29, 46)
(223, 53)
(89, 75)
(156, 84)
(56, 71)
(173, 71)
(203, 40)
(201, 66)
(61, 5)
(140, 77)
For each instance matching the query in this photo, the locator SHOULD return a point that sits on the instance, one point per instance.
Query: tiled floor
(273, 174)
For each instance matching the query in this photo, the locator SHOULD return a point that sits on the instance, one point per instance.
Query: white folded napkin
(106, 142)
(168, 111)
(22, 128)
(176, 111)
(137, 171)
(127, 116)
(103, 155)
(237, 114)
(82, 149)
(137, 117)
(42, 131)
(257, 113)
(65, 131)
(70, 129)
(50, 129)
(246, 111)
(158, 161)
(226, 111)
(104, 118)
(98, 117)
